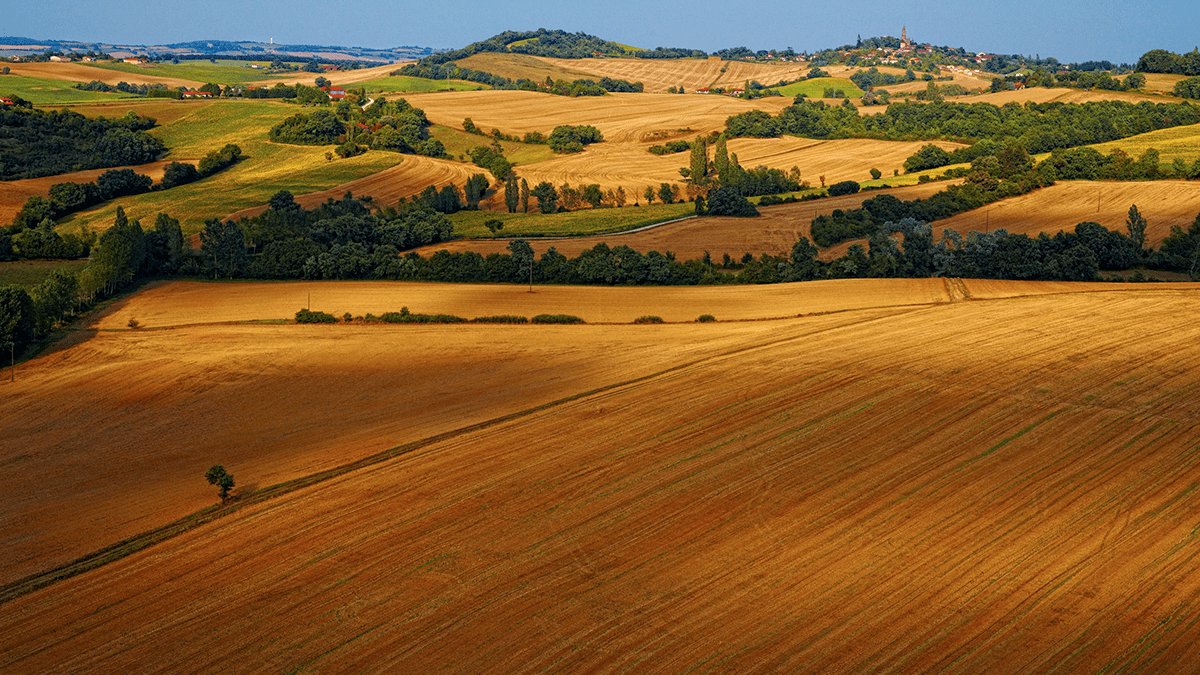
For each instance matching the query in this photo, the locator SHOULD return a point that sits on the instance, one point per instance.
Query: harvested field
(1162, 82)
(1174, 143)
(773, 232)
(523, 67)
(1065, 204)
(13, 193)
(658, 75)
(620, 117)
(82, 72)
(337, 77)
(983, 486)
(1044, 95)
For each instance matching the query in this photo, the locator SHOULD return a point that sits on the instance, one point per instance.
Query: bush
(649, 318)
(502, 318)
(725, 201)
(556, 318)
(706, 318)
(307, 316)
(846, 187)
(567, 139)
(404, 316)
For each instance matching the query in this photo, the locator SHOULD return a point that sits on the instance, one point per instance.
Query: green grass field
(222, 72)
(30, 273)
(582, 222)
(53, 92)
(265, 168)
(416, 84)
(815, 88)
(458, 143)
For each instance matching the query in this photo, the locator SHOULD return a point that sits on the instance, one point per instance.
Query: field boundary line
(139, 542)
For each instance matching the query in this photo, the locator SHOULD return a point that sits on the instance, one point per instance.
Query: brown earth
(13, 193)
(774, 232)
(977, 486)
(81, 72)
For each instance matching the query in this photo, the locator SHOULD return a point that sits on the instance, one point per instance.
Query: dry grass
(523, 67)
(1175, 143)
(913, 489)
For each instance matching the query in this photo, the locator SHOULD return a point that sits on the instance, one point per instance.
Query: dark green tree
(216, 475)
(1135, 224)
(512, 194)
(223, 245)
(547, 197)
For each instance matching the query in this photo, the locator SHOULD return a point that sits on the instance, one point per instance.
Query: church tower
(904, 36)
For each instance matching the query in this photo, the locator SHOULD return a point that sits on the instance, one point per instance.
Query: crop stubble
(1003, 486)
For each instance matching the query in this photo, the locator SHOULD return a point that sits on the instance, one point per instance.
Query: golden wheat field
(962, 477)
(620, 117)
(658, 75)
(1065, 204)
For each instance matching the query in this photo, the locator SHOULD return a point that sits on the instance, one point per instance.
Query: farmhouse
(6, 102)
(197, 94)
(702, 90)
(334, 93)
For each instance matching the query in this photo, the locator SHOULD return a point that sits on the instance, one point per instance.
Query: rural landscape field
(557, 354)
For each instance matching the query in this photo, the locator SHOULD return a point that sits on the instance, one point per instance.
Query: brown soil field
(13, 193)
(620, 117)
(80, 72)
(774, 232)
(1065, 204)
(658, 75)
(1000, 486)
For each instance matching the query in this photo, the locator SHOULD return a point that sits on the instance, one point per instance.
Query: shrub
(502, 318)
(846, 187)
(726, 201)
(556, 318)
(307, 316)
(404, 316)
(706, 318)
(649, 318)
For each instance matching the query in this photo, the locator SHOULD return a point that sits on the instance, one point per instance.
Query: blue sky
(1070, 30)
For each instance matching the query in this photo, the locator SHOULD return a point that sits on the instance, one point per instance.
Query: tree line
(36, 143)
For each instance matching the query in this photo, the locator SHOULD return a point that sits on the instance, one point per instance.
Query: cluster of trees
(32, 230)
(1074, 79)
(36, 143)
(671, 147)
(724, 171)
(1009, 173)
(1163, 61)
(1189, 88)
(871, 78)
(581, 87)
(155, 90)
(491, 157)
(382, 125)
(568, 138)
(1040, 127)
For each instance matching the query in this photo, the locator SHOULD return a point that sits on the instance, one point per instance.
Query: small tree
(223, 480)
(494, 225)
(649, 194)
(1136, 224)
(876, 173)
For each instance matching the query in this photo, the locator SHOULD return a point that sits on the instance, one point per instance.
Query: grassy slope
(581, 222)
(459, 142)
(30, 273)
(266, 168)
(815, 88)
(1178, 142)
(406, 84)
(51, 92)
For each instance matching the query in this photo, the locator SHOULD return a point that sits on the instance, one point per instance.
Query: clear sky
(1070, 30)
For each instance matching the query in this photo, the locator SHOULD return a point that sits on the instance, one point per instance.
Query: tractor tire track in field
(132, 545)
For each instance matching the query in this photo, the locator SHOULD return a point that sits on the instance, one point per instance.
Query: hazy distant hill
(22, 46)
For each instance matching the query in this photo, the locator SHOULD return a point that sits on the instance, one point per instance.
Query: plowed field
(1067, 203)
(981, 486)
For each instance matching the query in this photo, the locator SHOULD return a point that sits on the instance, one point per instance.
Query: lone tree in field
(218, 476)
(1136, 224)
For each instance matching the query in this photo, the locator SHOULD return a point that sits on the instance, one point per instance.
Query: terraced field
(987, 485)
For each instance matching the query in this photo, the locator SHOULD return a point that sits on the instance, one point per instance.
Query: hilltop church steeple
(904, 36)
